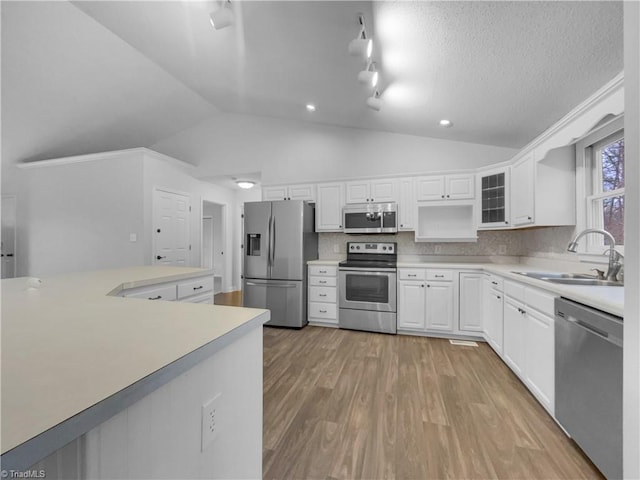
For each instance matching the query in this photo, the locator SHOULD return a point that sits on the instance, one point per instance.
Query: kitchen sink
(571, 279)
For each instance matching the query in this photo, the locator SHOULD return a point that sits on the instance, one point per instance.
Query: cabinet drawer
(323, 281)
(514, 290)
(542, 301)
(195, 286)
(323, 310)
(412, 274)
(322, 294)
(323, 270)
(202, 298)
(497, 283)
(439, 274)
(163, 292)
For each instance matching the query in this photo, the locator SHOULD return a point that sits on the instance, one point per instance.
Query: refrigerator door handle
(251, 284)
(273, 243)
(269, 247)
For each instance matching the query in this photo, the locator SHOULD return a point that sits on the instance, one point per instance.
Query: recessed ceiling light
(310, 107)
(245, 183)
(446, 123)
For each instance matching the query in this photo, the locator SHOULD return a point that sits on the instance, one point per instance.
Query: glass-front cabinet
(493, 186)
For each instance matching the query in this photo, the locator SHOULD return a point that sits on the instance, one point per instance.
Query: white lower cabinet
(529, 339)
(540, 356)
(471, 301)
(412, 305)
(323, 294)
(440, 306)
(514, 334)
(493, 313)
(193, 290)
(425, 300)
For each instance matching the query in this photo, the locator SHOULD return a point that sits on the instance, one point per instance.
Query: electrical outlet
(133, 237)
(502, 249)
(210, 421)
(438, 249)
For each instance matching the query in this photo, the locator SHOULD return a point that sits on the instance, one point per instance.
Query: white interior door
(8, 258)
(171, 228)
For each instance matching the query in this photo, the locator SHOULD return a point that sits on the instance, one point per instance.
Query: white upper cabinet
(494, 190)
(523, 200)
(290, 192)
(368, 191)
(329, 207)
(443, 187)
(543, 190)
(406, 205)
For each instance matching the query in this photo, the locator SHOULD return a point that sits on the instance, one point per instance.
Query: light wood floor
(233, 299)
(356, 405)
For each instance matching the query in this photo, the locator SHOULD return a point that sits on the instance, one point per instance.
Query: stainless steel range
(368, 287)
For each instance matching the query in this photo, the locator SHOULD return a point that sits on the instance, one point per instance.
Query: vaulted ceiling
(100, 75)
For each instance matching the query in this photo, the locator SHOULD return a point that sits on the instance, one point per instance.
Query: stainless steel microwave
(370, 218)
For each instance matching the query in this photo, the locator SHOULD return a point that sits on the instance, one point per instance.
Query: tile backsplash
(545, 242)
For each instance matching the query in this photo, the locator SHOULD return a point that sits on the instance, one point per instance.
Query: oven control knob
(384, 248)
(358, 247)
(351, 247)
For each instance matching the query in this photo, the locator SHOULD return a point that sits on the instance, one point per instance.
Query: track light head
(361, 47)
(369, 75)
(374, 102)
(223, 17)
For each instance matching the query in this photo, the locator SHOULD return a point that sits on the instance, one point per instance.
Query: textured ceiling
(92, 76)
(501, 71)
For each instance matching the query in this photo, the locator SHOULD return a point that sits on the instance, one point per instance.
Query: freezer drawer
(286, 300)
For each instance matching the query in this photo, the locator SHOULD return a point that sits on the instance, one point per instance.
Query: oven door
(368, 290)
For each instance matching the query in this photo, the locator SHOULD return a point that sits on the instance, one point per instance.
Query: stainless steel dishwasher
(589, 382)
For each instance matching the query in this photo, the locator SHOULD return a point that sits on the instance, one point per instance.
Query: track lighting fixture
(362, 45)
(374, 102)
(223, 17)
(369, 75)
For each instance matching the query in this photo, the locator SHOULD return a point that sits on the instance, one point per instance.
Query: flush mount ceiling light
(446, 123)
(362, 45)
(369, 75)
(245, 184)
(310, 107)
(223, 17)
(374, 102)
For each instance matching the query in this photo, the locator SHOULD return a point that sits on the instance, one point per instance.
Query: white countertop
(608, 299)
(68, 345)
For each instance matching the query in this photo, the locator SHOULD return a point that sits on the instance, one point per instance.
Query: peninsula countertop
(71, 344)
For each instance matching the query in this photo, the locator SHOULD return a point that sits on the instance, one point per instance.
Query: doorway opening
(213, 243)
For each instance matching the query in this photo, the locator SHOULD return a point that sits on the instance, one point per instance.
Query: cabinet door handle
(322, 295)
(529, 218)
(422, 285)
(198, 288)
(447, 196)
(158, 257)
(428, 286)
(411, 275)
(439, 276)
(155, 298)
(322, 281)
(498, 297)
(494, 283)
(442, 196)
(322, 271)
(322, 311)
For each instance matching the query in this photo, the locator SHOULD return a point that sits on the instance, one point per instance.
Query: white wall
(285, 151)
(631, 368)
(161, 173)
(78, 217)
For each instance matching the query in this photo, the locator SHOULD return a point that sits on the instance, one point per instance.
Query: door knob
(158, 257)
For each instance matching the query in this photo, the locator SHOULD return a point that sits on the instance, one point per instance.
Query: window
(602, 155)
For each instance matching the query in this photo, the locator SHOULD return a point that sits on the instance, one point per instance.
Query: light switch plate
(133, 237)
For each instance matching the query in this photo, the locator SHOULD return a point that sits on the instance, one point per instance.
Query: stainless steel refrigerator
(279, 240)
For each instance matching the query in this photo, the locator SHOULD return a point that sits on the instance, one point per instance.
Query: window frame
(589, 184)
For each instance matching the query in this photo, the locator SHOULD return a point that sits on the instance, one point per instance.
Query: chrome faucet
(614, 256)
